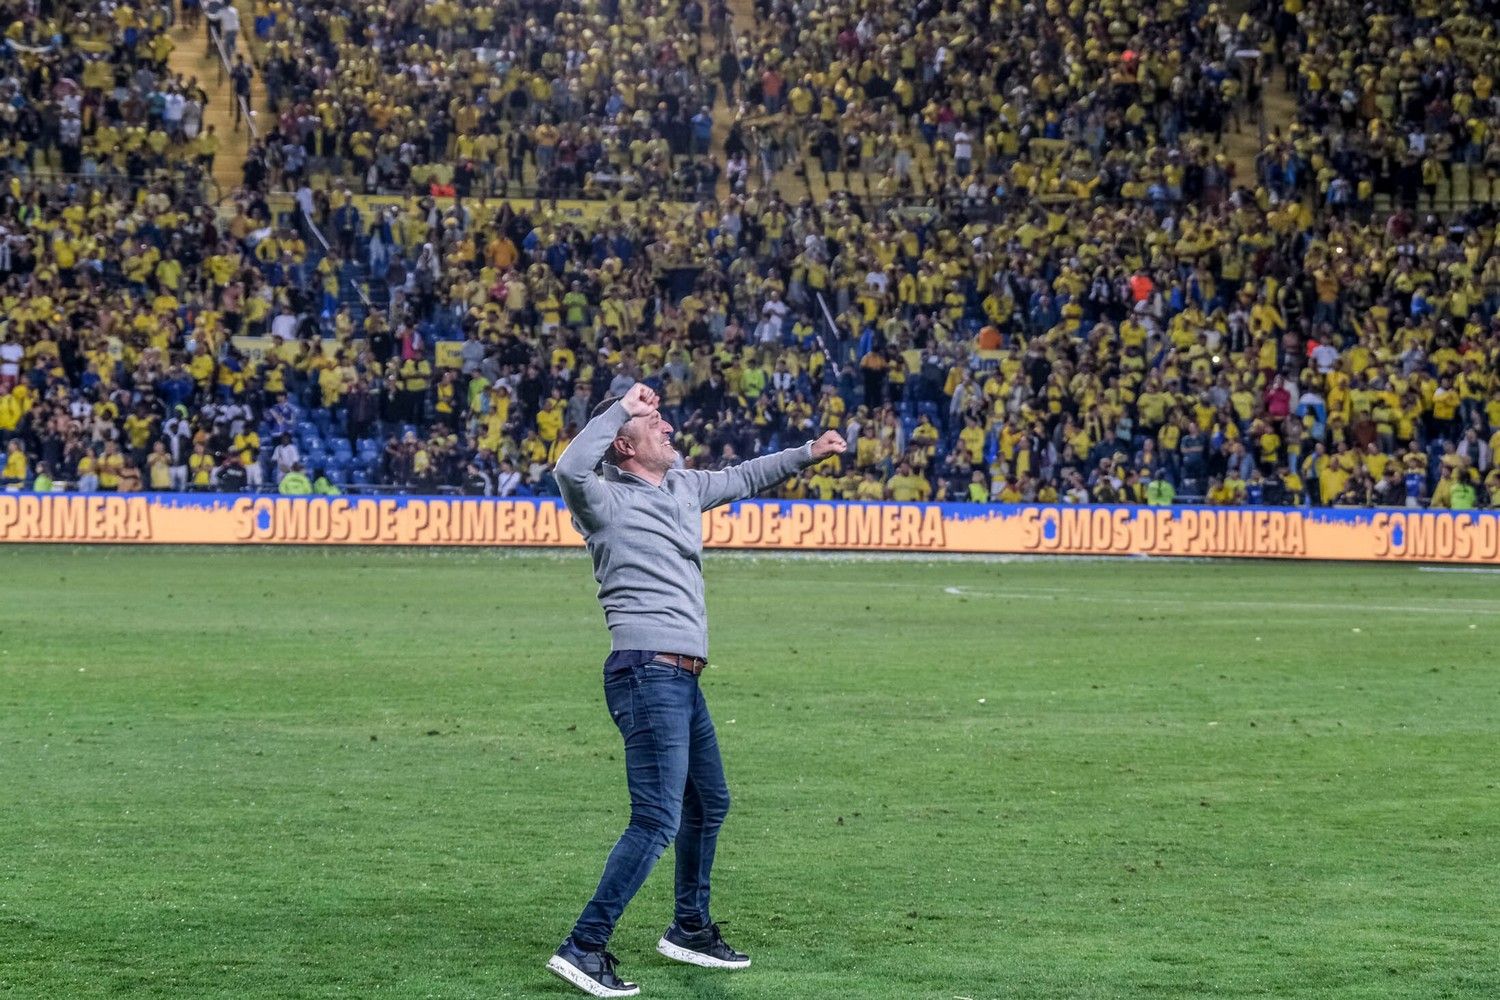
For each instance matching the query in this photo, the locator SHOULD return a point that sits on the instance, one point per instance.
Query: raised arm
(587, 497)
(740, 482)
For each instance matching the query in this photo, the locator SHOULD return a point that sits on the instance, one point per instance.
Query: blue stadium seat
(341, 448)
(359, 477)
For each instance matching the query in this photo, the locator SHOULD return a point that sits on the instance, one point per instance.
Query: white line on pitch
(1485, 570)
(1178, 598)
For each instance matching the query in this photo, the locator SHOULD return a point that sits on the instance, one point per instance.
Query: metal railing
(833, 329)
(317, 232)
(226, 69)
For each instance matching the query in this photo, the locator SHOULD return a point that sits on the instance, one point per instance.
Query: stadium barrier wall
(1471, 537)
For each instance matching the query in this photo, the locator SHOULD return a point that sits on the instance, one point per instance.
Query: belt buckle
(681, 661)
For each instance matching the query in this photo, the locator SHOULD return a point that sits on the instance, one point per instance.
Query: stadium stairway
(1278, 111)
(195, 55)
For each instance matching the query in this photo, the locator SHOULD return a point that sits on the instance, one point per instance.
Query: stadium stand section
(1032, 270)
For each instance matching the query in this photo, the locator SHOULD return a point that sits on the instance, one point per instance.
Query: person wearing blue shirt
(282, 417)
(624, 248)
(558, 255)
(1416, 486)
(703, 129)
(1255, 490)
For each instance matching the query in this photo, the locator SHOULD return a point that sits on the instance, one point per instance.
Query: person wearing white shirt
(192, 120)
(237, 414)
(179, 437)
(285, 325)
(963, 152)
(285, 456)
(173, 106)
(507, 480)
(229, 27)
(10, 363)
(772, 313)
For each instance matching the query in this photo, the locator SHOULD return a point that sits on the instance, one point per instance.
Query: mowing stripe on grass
(1049, 593)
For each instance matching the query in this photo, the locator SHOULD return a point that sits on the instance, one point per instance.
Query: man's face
(648, 440)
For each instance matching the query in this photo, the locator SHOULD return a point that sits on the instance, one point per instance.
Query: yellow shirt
(549, 423)
(201, 467)
(138, 430)
(909, 489)
(109, 470)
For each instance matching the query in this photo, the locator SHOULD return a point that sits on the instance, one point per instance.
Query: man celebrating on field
(642, 521)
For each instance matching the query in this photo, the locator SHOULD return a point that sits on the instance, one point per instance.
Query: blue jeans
(677, 791)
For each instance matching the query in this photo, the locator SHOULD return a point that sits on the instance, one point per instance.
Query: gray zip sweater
(647, 541)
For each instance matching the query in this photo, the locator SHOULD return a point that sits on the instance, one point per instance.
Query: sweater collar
(614, 474)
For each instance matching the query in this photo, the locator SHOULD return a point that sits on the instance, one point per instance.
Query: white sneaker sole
(574, 975)
(677, 954)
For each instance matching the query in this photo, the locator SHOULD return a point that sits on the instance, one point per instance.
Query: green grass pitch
(315, 773)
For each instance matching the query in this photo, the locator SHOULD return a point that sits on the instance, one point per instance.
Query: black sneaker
(590, 971)
(705, 948)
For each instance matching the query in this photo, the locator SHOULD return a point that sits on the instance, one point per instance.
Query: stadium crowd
(608, 96)
(87, 91)
(1393, 98)
(1108, 317)
(999, 98)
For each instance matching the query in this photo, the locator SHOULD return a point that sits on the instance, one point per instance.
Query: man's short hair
(611, 456)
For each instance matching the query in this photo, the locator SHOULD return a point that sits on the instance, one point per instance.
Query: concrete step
(196, 56)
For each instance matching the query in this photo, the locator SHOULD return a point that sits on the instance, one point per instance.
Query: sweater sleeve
(743, 481)
(587, 497)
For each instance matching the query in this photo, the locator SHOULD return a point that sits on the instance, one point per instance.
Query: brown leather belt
(692, 664)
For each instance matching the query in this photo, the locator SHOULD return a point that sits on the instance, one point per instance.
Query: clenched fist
(640, 401)
(831, 443)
